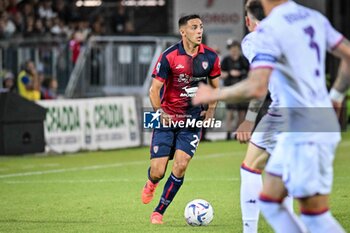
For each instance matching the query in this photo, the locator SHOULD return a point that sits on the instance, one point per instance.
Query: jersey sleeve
(334, 38)
(248, 47)
(161, 69)
(267, 48)
(216, 70)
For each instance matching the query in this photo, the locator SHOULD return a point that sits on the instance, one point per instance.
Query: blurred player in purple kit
(291, 52)
(263, 140)
(176, 77)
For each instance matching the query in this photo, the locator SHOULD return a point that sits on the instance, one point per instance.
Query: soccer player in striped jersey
(176, 77)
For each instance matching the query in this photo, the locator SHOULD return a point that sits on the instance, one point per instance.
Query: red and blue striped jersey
(181, 74)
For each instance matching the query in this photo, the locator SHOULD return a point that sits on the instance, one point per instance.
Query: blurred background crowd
(59, 18)
(41, 42)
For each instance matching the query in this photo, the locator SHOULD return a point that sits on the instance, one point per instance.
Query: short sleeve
(333, 37)
(248, 47)
(216, 70)
(267, 48)
(161, 69)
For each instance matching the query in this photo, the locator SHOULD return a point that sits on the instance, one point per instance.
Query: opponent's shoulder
(249, 38)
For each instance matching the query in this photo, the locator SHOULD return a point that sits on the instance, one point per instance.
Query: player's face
(193, 31)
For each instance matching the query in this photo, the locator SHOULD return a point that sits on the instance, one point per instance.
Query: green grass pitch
(100, 191)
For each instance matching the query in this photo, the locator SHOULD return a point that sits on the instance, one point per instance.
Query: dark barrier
(21, 125)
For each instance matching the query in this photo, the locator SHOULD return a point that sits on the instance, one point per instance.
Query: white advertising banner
(99, 123)
(63, 125)
(222, 19)
(113, 123)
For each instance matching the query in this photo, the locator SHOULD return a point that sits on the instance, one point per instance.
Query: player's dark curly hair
(184, 19)
(255, 8)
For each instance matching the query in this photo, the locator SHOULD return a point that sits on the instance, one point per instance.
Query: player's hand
(244, 131)
(165, 118)
(204, 95)
(235, 73)
(209, 114)
(337, 107)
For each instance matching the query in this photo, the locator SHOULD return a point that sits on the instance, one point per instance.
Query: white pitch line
(109, 181)
(103, 166)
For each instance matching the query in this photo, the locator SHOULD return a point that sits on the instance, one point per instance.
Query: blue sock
(171, 187)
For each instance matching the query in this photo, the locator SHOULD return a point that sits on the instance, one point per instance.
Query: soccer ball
(199, 213)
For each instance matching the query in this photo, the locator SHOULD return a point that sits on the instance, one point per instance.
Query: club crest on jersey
(155, 149)
(205, 65)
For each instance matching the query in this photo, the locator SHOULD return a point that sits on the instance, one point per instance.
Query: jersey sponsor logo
(179, 66)
(205, 65)
(197, 79)
(190, 92)
(185, 78)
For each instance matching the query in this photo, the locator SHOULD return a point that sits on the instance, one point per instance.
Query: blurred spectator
(45, 10)
(98, 26)
(28, 82)
(129, 27)
(122, 23)
(62, 10)
(7, 27)
(58, 28)
(39, 28)
(27, 10)
(49, 89)
(48, 24)
(3, 5)
(8, 82)
(84, 28)
(18, 20)
(75, 45)
(234, 69)
(29, 26)
(12, 8)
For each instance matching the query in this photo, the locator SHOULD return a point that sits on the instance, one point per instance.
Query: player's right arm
(342, 82)
(154, 94)
(160, 74)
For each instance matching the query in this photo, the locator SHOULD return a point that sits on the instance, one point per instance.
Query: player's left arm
(342, 82)
(215, 84)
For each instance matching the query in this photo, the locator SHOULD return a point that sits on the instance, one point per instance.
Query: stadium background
(101, 53)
